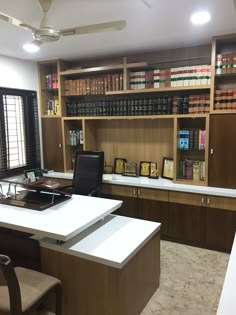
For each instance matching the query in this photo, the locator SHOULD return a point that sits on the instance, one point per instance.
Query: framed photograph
(30, 175)
(119, 166)
(167, 168)
(33, 175)
(145, 168)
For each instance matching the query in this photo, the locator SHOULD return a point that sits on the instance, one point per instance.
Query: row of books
(171, 77)
(191, 104)
(94, 86)
(191, 139)
(51, 81)
(191, 170)
(225, 63)
(225, 99)
(52, 107)
(75, 137)
(162, 105)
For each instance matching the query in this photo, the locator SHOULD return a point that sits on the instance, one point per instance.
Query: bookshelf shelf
(189, 150)
(161, 90)
(50, 116)
(75, 72)
(50, 90)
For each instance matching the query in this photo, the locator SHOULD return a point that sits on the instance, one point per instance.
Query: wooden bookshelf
(134, 137)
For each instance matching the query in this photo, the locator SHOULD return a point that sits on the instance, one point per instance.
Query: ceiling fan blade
(16, 22)
(95, 28)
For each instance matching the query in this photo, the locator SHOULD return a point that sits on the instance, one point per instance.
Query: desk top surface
(161, 183)
(227, 304)
(60, 222)
(112, 241)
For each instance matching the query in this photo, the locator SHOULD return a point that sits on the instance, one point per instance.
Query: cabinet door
(186, 218)
(220, 222)
(186, 223)
(222, 166)
(220, 229)
(52, 144)
(153, 206)
(127, 194)
(154, 210)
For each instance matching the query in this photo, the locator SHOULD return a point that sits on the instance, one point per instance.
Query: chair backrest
(12, 283)
(88, 173)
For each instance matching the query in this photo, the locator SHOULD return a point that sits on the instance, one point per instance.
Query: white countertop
(159, 183)
(227, 304)
(112, 241)
(60, 222)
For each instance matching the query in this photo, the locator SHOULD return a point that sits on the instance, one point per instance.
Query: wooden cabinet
(186, 218)
(52, 144)
(222, 167)
(203, 220)
(127, 194)
(197, 219)
(141, 203)
(220, 222)
(153, 206)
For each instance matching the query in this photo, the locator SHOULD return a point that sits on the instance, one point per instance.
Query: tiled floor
(190, 284)
(191, 281)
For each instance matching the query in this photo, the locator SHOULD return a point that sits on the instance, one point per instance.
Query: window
(19, 133)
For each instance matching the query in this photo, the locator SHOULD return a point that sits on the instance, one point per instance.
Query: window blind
(19, 131)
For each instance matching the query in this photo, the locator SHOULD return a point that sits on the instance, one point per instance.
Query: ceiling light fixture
(31, 47)
(201, 17)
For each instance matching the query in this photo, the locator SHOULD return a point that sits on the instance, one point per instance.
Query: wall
(16, 73)
(20, 74)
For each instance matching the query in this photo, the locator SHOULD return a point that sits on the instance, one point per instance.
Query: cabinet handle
(59, 145)
(203, 200)
(208, 201)
(212, 151)
(134, 192)
(139, 192)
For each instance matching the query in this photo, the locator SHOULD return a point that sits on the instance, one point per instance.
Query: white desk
(60, 222)
(112, 241)
(108, 264)
(227, 304)
(161, 183)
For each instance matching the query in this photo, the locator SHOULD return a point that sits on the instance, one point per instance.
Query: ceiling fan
(46, 33)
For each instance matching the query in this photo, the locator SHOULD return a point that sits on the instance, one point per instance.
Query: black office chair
(88, 171)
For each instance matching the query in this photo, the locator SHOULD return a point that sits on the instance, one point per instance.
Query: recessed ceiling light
(31, 47)
(200, 17)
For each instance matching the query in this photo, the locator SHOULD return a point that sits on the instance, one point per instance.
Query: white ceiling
(151, 25)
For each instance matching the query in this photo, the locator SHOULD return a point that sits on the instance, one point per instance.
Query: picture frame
(167, 168)
(145, 167)
(119, 165)
(33, 175)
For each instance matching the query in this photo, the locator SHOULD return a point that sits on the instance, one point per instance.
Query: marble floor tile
(190, 283)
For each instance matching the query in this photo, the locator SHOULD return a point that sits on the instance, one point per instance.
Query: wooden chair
(23, 290)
